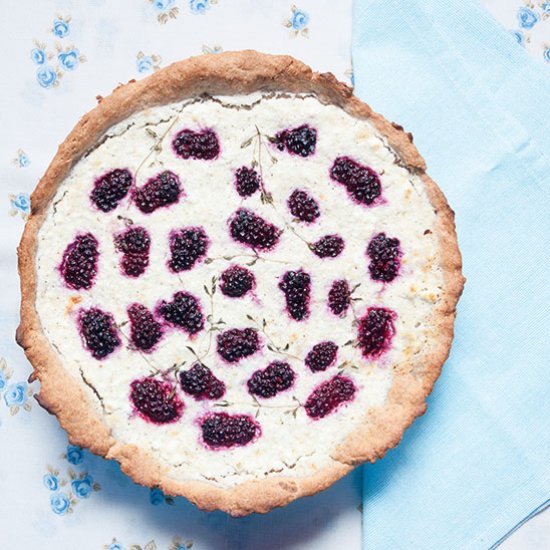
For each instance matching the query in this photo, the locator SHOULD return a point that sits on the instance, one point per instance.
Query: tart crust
(233, 73)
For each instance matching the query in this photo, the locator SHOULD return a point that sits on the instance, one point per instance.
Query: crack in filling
(92, 387)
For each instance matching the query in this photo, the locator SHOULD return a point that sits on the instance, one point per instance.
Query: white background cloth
(58, 55)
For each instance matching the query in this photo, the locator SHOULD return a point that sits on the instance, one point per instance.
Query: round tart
(238, 281)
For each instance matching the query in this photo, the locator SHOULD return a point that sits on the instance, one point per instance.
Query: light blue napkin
(478, 463)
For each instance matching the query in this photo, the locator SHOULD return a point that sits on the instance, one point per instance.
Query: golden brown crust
(228, 74)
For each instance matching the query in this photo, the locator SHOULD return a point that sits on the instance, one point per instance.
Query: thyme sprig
(265, 196)
(213, 326)
(292, 408)
(255, 257)
(157, 145)
(152, 368)
(346, 366)
(272, 346)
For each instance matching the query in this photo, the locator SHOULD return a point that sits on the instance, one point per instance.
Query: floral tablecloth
(59, 55)
(528, 21)
(62, 54)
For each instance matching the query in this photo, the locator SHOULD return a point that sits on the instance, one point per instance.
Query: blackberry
(328, 246)
(110, 189)
(99, 332)
(135, 240)
(199, 382)
(252, 230)
(235, 344)
(184, 311)
(134, 265)
(221, 430)
(361, 182)
(375, 331)
(79, 264)
(187, 246)
(321, 356)
(339, 298)
(303, 206)
(202, 145)
(329, 395)
(278, 376)
(297, 141)
(385, 254)
(247, 181)
(156, 400)
(160, 191)
(296, 286)
(236, 281)
(134, 243)
(145, 330)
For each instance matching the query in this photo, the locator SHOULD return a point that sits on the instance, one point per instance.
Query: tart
(238, 281)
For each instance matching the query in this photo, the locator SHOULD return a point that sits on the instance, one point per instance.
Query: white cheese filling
(291, 443)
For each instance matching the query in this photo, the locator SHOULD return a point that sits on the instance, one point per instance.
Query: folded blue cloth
(478, 463)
